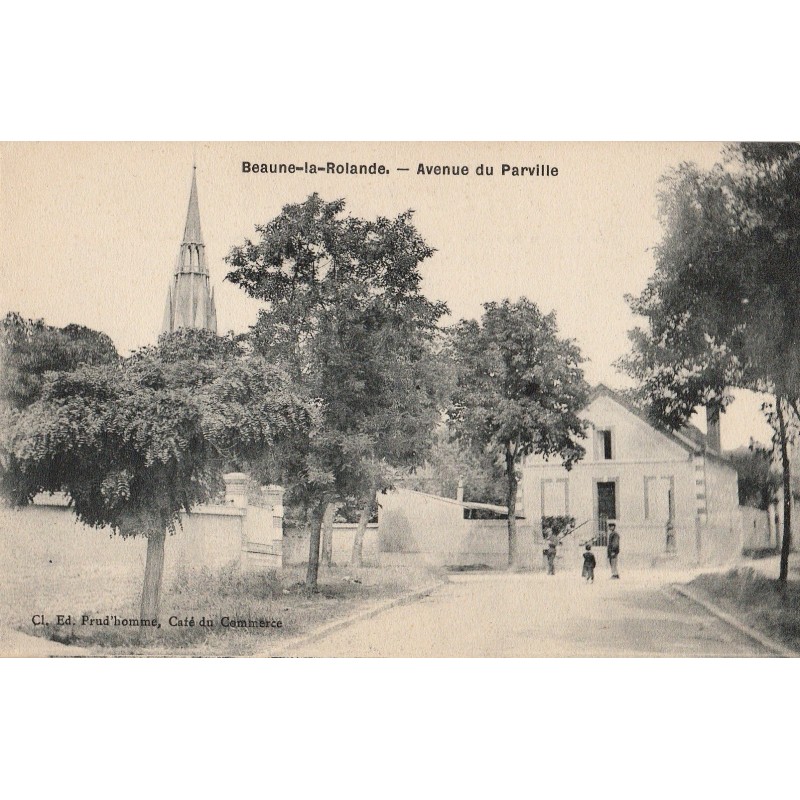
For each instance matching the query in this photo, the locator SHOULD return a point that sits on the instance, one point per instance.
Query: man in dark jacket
(613, 549)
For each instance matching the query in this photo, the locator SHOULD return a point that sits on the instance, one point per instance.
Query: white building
(645, 478)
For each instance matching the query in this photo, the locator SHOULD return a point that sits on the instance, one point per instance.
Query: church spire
(192, 233)
(192, 254)
(190, 302)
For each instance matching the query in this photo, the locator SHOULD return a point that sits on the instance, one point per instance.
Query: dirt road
(498, 614)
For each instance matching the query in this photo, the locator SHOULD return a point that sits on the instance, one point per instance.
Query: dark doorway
(606, 509)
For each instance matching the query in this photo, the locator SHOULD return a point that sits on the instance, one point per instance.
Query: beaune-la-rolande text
(328, 167)
(348, 168)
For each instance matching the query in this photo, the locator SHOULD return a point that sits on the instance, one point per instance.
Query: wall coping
(217, 510)
(60, 500)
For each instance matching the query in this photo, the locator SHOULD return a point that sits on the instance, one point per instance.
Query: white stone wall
(296, 545)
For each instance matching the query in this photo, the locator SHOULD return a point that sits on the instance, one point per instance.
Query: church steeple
(192, 255)
(192, 233)
(190, 302)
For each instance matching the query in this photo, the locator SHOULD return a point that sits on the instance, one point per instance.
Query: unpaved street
(496, 614)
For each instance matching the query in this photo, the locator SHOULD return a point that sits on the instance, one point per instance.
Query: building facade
(670, 493)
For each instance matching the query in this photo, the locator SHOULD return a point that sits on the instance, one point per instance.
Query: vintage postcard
(399, 400)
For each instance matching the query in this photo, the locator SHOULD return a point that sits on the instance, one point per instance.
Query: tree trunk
(313, 546)
(513, 544)
(153, 575)
(358, 540)
(327, 534)
(786, 544)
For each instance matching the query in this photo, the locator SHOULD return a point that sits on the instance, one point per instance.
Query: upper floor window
(605, 450)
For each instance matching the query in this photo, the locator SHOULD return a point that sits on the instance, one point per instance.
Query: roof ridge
(683, 438)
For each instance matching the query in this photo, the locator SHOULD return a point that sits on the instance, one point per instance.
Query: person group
(552, 541)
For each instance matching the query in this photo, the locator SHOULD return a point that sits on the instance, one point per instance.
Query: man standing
(613, 549)
(552, 549)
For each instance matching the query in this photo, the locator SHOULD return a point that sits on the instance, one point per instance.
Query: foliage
(758, 481)
(29, 349)
(197, 346)
(723, 306)
(135, 442)
(519, 389)
(448, 462)
(559, 523)
(519, 386)
(347, 321)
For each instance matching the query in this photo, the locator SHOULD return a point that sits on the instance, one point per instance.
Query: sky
(90, 231)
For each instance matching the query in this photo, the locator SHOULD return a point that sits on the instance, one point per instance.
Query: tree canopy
(723, 305)
(347, 320)
(519, 389)
(29, 349)
(135, 442)
(758, 481)
(451, 461)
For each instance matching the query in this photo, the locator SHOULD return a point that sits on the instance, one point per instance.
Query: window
(659, 498)
(604, 448)
(555, 497)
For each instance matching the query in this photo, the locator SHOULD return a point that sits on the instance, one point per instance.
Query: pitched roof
(463, 503)
(690, 437)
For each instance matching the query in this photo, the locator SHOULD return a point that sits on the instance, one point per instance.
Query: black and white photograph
(400, 400)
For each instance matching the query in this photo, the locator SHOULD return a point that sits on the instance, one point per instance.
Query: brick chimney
(713, 438)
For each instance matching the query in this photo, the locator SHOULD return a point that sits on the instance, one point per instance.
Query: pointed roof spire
(190, 300)
(192, 233)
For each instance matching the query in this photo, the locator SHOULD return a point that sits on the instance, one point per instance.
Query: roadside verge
(765, 641)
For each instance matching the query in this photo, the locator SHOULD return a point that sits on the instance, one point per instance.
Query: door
(606, 509)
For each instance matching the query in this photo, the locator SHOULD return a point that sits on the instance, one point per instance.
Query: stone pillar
(235, 489)
(273, 496)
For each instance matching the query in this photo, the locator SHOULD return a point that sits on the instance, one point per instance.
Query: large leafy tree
(519, 389)
(347, 320)
(135, 442)
(29, 349)
(397, 412)
(723, 305)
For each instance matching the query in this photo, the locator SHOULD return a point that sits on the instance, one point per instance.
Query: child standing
(589, 563)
